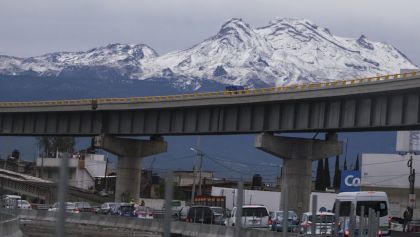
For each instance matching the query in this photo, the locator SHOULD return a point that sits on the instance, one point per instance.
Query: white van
(11, 201)
(367, 199)
(253, 216)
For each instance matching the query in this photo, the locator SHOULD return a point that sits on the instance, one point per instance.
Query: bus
(376, 200)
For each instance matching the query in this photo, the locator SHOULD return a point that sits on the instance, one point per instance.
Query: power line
(218, 157)
(388, 162)
(381, 181)
(226, 167)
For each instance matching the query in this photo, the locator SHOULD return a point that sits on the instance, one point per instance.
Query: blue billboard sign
(350, 181)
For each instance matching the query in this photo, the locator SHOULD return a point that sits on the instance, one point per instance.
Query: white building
(82, 169)
(389, 173)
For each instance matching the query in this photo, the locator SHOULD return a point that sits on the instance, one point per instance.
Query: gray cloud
(30, 28)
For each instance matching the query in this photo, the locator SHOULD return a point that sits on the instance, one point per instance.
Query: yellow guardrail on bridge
(247, 91)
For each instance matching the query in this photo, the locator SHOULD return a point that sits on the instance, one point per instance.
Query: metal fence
(8, 209)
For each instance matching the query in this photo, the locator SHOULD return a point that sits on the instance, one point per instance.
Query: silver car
(324, 223)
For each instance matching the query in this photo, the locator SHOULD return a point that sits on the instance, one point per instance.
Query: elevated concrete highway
(375, 104)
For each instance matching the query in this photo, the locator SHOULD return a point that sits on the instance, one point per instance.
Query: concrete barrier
(156, 225)
(9, 227)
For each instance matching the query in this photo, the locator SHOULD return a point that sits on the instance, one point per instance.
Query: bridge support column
(130, 152)
(297, 154)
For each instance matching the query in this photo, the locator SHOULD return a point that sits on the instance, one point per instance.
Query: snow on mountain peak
(287, 50)
(236, 27)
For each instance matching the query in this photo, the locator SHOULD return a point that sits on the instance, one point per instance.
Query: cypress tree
(327, 178)
(319, 181)
(337, 173)
(345, 163)
(356, 167)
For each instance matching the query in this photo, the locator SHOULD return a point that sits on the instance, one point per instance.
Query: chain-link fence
(9, 207)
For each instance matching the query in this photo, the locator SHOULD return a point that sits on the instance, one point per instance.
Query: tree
(356, 166)
(49, 145)
(327, 178)
(337, 173)
(319, 181)
(345, 163)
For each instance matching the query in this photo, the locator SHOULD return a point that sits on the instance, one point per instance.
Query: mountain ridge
(286, 51)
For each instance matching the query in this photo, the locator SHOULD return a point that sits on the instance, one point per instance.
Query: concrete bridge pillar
(130, 152)
(298, 154)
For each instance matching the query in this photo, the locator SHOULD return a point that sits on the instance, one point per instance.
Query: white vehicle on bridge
(378, 201)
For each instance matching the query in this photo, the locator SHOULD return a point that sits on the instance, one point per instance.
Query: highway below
(47, 229)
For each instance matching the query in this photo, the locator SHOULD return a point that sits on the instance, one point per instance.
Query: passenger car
(277, 221)
(125, 210)
(253, 216)
(200, 214)
(70, 207)
(23, 204)
(219, 216)
(324, 223)
(234, 89)
(182, 216)
(83, 206)
(106, 208)
(396, 224)
(143, 212)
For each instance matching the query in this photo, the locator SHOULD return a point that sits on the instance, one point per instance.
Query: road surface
(47, 229)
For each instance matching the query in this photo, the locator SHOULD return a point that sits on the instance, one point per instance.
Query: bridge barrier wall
(9, 226)
(180, 228)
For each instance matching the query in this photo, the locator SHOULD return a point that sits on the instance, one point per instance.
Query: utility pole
(106, 177)
(200, 155)
(193, 186)
(411, 179)
(200, 167)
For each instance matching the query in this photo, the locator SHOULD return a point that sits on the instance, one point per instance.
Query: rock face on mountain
(286, 51)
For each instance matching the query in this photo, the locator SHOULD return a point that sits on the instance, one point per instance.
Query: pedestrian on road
(407, 216)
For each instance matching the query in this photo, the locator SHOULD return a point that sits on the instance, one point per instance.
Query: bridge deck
(381, 103)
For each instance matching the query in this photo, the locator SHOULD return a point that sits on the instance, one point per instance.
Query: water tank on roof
(256, 182)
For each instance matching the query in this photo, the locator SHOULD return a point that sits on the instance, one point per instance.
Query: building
(186, 177)
(83, 168)
(389, 173)
(17, 165)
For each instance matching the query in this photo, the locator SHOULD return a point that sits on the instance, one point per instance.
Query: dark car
(125, 210)
(234, 89)
(201, 214)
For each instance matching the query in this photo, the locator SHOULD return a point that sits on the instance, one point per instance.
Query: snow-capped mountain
(285, 51)
(123, 58)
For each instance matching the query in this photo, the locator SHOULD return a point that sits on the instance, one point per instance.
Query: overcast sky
(29, 28)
